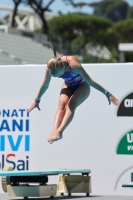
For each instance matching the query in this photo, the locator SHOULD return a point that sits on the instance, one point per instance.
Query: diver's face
(60, 71)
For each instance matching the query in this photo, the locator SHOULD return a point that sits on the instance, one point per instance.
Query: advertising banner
(99, 138)
(17, 134)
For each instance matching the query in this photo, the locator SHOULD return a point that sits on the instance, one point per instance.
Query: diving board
(20, 183)
(44, 172)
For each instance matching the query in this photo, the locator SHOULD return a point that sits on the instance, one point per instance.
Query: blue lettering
(27, 125)
(28, 114)
(15, 124)
(22, 112)
(27, 143)
(21, 166)
(14, 113)
(2, 143)
(13, 146)
(3, 161)
(4, 125)
(27, 163)
(11, 162)
(6, 113)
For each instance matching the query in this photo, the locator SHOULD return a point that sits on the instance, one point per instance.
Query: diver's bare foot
(49, 138)
(56, 135)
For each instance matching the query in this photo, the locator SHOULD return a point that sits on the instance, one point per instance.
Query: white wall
(91, 139)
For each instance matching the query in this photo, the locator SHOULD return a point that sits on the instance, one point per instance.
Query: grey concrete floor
(73, 197)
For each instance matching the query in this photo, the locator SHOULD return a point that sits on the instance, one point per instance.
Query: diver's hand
(34, 105)
(114, 100)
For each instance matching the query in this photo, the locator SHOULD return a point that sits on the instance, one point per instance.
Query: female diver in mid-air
(75, 91)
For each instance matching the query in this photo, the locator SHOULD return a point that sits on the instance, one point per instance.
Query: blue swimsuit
(72, 80)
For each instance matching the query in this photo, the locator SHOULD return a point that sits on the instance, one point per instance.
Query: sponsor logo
(8, 139)
(126, 106)
(125, 145)
(15, 139)
(19, 164)
(124, 177)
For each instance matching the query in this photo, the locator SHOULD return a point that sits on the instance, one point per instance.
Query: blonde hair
(54, 65)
